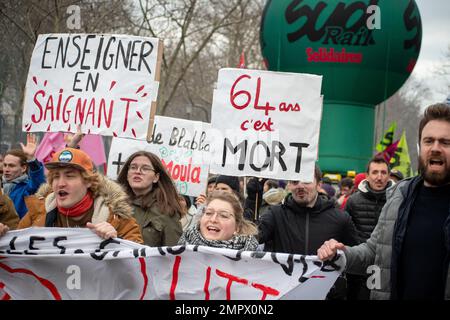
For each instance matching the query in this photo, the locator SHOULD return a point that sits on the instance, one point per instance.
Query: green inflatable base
(346, 137)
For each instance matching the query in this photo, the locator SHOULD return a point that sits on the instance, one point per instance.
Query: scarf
(80, 208)
(8, 186)
(238, 242)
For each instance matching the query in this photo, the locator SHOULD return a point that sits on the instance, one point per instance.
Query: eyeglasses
(222, 215)
(143, 169)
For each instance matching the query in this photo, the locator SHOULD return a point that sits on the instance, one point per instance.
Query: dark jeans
(357, 287)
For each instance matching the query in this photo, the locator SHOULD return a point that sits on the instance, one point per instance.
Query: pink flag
(389, 152)
(92, 144)
(52, 142)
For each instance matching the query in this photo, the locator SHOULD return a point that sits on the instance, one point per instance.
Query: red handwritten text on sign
(241, 99)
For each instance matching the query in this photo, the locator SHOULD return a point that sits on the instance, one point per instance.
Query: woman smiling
(222, 225)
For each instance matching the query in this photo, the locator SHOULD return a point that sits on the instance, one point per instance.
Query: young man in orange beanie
(78, 197)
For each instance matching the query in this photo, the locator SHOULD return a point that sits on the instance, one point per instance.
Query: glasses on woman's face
(221, 214)
(142, 169)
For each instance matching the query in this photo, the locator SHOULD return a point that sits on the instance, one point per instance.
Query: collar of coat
(365, 188)
(109, 198)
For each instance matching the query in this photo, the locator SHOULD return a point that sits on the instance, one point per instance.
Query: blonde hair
(243, 226)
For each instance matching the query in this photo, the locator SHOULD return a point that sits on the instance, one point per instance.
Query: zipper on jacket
(307, 234)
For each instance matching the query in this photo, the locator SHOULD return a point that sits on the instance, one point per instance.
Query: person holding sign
(22, 174)
(77, 197)
(154, 199)
(222, 225)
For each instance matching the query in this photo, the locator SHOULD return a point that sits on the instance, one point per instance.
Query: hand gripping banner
(62, 263)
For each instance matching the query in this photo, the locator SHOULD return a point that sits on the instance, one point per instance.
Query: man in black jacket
(364, 206)
(302, 223)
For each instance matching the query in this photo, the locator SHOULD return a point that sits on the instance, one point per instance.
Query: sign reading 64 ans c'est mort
(269, 124)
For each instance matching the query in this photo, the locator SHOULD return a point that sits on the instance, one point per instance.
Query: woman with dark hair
(154, 199)
(222, 225)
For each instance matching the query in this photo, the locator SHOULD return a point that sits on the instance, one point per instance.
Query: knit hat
(396, 173)
(232, 182)
(358, 178)
(329, 189)
(70, 157)
(274, 196)
(212, 180)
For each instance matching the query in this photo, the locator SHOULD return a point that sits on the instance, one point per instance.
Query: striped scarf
(238, 242)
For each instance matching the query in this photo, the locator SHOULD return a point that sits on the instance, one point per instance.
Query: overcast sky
(435, 16)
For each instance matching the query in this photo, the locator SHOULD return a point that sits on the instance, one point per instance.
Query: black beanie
(232, 182)
(212, 180)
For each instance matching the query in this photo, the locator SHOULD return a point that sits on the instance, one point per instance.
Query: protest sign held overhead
(183, 147)
(61, 264)
(106, 83)
(269, 124)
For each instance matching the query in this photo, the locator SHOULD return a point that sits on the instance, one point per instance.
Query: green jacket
(158, 229)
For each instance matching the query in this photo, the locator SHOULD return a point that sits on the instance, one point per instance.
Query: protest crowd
(248, 185)
(380, 221)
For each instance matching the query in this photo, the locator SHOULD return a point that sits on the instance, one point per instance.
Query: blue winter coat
(27, 188)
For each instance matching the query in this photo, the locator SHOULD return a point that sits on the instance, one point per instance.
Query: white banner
(56, 263)
(183, 147)
(106, 83)
(268, 124)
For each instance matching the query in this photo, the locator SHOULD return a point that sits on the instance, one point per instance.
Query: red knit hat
(358, 178)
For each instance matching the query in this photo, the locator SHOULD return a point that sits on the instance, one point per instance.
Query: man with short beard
(411, 242)
(304, 221)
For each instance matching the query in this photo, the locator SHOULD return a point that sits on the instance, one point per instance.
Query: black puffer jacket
(302, 230)
(365, 206)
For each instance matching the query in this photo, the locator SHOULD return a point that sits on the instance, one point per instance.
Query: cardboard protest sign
(63, 263)
(183, 147)
(106, 83)
(267, 123)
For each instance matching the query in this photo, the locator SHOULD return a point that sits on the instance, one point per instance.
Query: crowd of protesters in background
(378, 215)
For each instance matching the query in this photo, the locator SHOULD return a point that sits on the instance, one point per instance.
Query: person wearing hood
(272, 195)
(364, 206)
(303, 221)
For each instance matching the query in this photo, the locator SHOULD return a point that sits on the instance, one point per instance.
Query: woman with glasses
(222, 225)
(154, 199)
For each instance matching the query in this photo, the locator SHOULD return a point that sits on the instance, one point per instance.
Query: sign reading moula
(365, 50)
